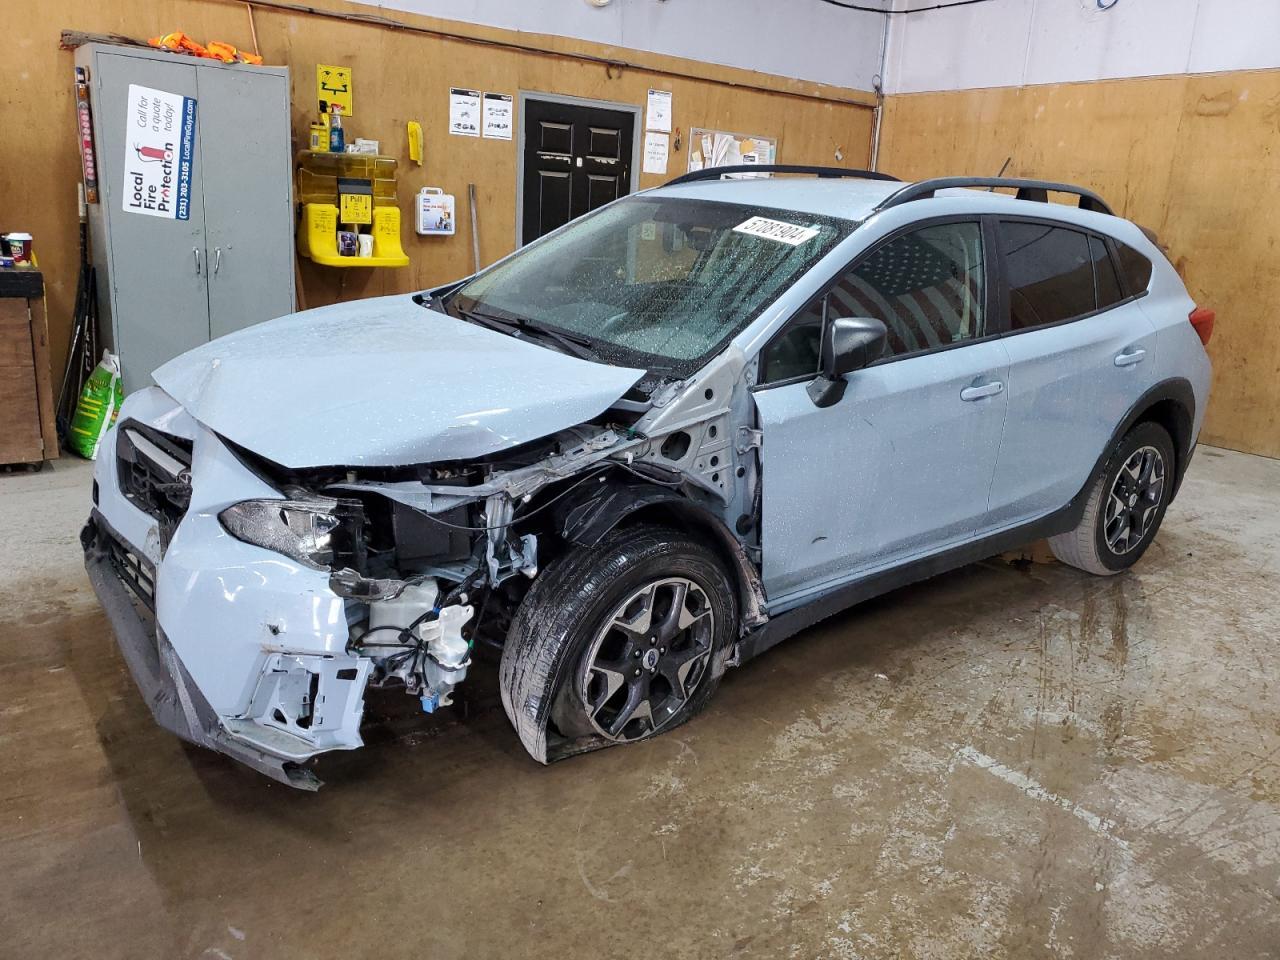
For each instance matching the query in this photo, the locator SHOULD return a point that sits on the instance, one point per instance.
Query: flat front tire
(1125, 507)
(617, 642)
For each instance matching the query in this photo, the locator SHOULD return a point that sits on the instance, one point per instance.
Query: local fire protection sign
(159, 153)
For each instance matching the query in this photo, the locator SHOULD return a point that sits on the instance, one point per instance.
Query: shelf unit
(318, 177)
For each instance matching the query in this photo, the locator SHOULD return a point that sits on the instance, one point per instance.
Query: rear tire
(617, 642)
(1125, 507)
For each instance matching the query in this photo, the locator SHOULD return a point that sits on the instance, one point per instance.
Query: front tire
(1126, 505)
(617, 642)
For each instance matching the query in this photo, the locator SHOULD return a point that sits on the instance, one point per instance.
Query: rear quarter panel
(1168, 306)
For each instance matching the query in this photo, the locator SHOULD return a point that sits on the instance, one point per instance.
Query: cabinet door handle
(217, 260)
(195, 252)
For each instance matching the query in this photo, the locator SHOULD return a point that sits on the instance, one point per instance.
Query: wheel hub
(648, 659)
(1134, 500)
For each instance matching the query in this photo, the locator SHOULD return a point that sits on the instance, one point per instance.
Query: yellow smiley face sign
(333, 85)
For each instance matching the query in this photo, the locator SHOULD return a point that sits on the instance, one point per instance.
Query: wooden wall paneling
(1223, 213)
(1193, 158)
(399, 76)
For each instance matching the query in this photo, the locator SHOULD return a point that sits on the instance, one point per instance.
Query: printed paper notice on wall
(659, 112)
(464, 112)
(497, 116)
(159, 153)
(655, 152)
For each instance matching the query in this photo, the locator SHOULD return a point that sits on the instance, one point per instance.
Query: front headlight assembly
(321, 532)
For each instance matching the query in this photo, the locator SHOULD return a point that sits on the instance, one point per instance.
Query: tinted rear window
(1104, 273)
(1050, 273)
(1135, 268)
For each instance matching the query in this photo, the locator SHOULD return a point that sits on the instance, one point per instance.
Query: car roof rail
(1034, 190)
(715, 173)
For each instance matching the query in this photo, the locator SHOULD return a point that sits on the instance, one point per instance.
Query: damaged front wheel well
(629, 505)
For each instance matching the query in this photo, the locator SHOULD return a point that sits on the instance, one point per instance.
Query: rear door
(576, 157)
(1081, 354)
(901, 466)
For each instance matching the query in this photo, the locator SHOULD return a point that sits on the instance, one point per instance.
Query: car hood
(384, 382)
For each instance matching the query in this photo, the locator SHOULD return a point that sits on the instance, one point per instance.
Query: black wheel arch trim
(1177, 393)
(584, 518)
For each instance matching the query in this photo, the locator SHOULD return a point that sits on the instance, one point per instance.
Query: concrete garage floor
(1000, 763)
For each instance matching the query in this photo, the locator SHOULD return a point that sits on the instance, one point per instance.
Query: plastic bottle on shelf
(337, 139)
(320, 135)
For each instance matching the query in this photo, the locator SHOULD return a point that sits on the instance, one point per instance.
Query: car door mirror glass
(848, 344)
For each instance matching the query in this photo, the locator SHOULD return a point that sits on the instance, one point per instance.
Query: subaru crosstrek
(637, 452)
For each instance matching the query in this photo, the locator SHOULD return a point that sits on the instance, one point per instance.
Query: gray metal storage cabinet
(191, 247)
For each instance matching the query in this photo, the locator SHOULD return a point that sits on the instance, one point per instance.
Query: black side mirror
(848, 344)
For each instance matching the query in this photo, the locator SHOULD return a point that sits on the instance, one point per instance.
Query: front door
(901, 466)
(576, 157)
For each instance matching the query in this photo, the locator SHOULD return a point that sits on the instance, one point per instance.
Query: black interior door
(576, 158)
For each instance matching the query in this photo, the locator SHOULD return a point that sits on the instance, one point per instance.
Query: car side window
(1104, 274)
(1135, 268)
(795, 352)
(927, 287)
(1050, 274)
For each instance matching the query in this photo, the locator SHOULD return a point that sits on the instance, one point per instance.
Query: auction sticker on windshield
(788, 233)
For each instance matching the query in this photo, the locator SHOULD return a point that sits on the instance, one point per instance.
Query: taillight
(1202, 319)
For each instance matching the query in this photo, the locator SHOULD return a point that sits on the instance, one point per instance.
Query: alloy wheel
(1134, 500)
(649, 659)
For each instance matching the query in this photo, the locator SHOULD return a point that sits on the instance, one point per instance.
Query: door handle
(195, 252)
(217, 260)
(1130, 357)
(979, 390)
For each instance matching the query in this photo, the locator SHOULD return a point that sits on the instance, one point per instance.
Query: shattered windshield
(654, 281)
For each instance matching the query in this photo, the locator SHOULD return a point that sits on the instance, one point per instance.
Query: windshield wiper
(574, 344)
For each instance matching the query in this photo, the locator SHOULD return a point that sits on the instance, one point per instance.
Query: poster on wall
(658, 111)
(655, 152)
(159, 153)
(497, 116)
(464, 112)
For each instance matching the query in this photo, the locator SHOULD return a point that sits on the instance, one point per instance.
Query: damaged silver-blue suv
(637, 452)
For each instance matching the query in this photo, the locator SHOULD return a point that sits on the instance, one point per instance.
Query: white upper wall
(804, 39)
(1014, 42)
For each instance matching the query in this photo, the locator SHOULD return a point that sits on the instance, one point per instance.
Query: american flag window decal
(926, 286)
